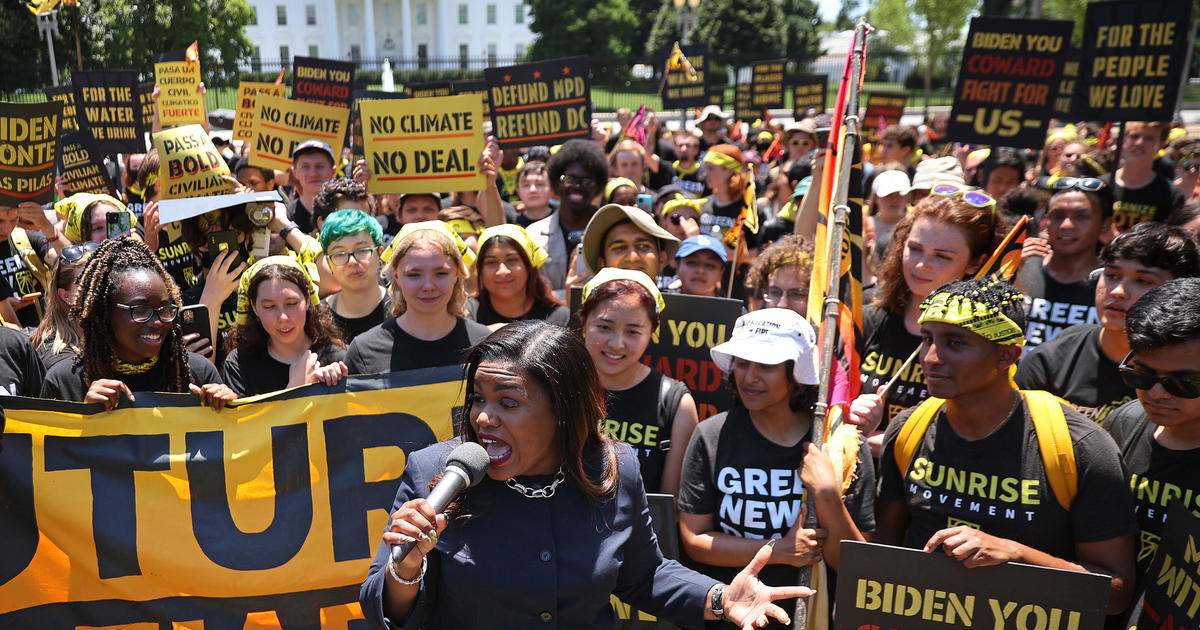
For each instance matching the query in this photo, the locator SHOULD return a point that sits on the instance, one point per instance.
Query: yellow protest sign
(280, 124)
(423, 145)
(247, 90)
(178, 80)
(188, 164)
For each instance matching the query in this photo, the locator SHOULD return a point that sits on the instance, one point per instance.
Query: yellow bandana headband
(462, 226)
(724, 161)
(208, 219)
(536, 253)
(615, 183)
(72, 209)
(682, 202)
(608, 274)
(960, 310)
(468, 254)
(308, 269)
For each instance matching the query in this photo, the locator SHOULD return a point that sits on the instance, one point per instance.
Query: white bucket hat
(771, 336)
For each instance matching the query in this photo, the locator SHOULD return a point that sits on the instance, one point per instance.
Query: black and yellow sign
(146, 98)
(1133, 59)
(280, 124)
(322, 81)
(429, 89)
(1172, 600)
(767, 79)
(682, 90)
(1064, 95)
(244, 119)
(188, 164)
(356, 140)
(106, 102)
(422, 145)
(264, 515)
(477, 86)
(178, 80)
(809, 91)
(28, 146)
(884, 109)
(548, 102)
(743, 106)
(1008, 80)
(82, 164)
(892, 587)
(716, 95)
(65, 95)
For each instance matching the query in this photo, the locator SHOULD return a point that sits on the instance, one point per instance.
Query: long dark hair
(537, 287)
(251, 337)
(556, 359)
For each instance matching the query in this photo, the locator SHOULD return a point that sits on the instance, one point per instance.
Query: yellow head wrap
(608, 274)
(308, 269)
(468, 255)
(961, 310)
(208, 219)
(462, 226)
(682, 202)
(615, 183)
(72, 209)
(536, 253)
(722, 160)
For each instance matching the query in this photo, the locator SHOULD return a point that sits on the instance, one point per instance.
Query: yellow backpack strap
(1054, 442)
(30, 257)
(913, 430)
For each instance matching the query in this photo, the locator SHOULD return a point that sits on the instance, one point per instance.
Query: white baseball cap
(771, 336)
(890, 183)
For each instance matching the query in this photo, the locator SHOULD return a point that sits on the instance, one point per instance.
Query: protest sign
(808, 91)
(322, 81)
(429, 89)
(356, 140)
(244, 119)
(82, 164)
(548, 102)
(280, 124)
(1007, 82)
(682, 90)
(1172, 599)
(178, 80)
(477, 86)
(892, 587)
(767, 79)
(1132, 59)
(743, 108)
(106, 102)
(265, 515)
(28, 146)
(172, 210)
(884, 109)
(146, 99)
(716, 95)
(662, 520)
(65, 95)
(422, 145)
(188, 164)
(1064, 95)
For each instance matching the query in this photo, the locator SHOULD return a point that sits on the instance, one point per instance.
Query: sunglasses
(583, 182)
(75, 253)
(974, 198)
(1141, 378)
(1085, 184)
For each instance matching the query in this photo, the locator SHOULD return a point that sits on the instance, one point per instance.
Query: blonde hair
(429, 239)
(626, 146)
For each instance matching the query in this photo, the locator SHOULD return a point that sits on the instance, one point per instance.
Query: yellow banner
(264, 515)
(247, 90)
(423, 145)
(188, 164)
(280, 124)
(178, 102)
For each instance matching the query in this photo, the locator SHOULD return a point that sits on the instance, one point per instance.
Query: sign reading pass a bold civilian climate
(547, 102)
(420, 145)
(82, 164)
(28, 145)
(188, 163)
(280, 124)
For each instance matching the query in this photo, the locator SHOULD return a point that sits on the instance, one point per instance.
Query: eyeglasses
(361, 255)
(75, 253)
(141, 313)
(774, 295)
(975, 198)
(1084, 184)
(572, 180)
(1141, 378)
(800, 142)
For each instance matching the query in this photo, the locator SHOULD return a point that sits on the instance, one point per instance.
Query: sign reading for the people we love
(421, 145)
(244, 119)
(188, 164)
(548, 102)
(106, 102)
(82, 164)
(179, 102)
(28, 146)
(281, 124)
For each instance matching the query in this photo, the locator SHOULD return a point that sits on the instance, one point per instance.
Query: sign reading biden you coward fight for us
(82, 164)
(1008, 81)
(1172, 600)
(243, 121)
(1133, 57)
(893, 587)
(421, 145)
(106, 102)
(681, 91)
(178, 79)
(188, 164)
(548, 102)
(28, 146)
(280, 124)
(323, 81)
(265, 515)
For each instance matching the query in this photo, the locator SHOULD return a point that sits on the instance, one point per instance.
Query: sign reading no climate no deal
(28, 145)
(280, 124)
(421, 145)
(548, 102)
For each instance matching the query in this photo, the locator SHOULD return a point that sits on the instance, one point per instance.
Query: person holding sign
(352, 241)
(1047, 486)
(313, 164)
(729, 177)
(511, 287)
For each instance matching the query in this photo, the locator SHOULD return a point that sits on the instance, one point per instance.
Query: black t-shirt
(300, 213)
(716, 220)
(226, 319)
(482, 312)
(1074, 368)
(21, 370)
(1051, 306)
(388, 348)
(64, 382)
(887, 344)
(1152, 202)
(690, 179)
(17, 279)
(257, 373)
(633, 417)
(352, 327)
(177, 256)
(705, 144)
(50, 358)
(999, 484)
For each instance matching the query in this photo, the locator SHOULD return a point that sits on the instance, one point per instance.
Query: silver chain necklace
(545, 492)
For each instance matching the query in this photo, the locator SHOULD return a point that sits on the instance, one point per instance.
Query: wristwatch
(717, 603)
(287, 229)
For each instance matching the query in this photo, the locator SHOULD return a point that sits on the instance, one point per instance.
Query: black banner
(28, 145)
(322, 81)
(892, 587)
(83, 165)
(1133, 57)
(1172, 600)
(681, 91)
(1064, 97)
(743, 107)
(884, 109)
(106, 102)
(767, 79)
(477, 86)
(547, 102)
(808, 91)
(716, 95)
(146, 99)
(65, 95)
(429, 88)
(1007, 82)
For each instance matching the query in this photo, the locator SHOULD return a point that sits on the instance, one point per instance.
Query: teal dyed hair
(349, 221)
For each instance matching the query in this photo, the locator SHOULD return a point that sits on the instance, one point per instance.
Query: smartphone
(117, 223)
(645, 201)
(581, 266)
(35, 294)
(194, 319)
(221, 241)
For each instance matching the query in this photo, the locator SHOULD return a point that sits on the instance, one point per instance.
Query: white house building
(408, 32)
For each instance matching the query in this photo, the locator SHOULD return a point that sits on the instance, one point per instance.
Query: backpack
(29, 256)
(670, 393)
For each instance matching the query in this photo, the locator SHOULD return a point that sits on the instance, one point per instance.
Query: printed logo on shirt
(955, 522)
(1098, 414)
(950, 488)
(1046, 319)
(759, 503)
(1127, 214)
(1147, 547)
(633, 433)
(688, 185)
(1151, 497)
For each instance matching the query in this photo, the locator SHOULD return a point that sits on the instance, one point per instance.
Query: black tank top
(634, 418)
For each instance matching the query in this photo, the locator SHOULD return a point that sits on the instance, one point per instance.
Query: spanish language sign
(244, 119)
(280, 124)
(884, 109)
(106, 102)
(1008, 81)
(421, 145)
(65, 95)
(808, 92)
(322, 81)
(547, 102)
(1064, 95)
(266, 515)
(188, 164)
(1172, 584)
(28, 146)
(767, 79)
(82, 164)
(892, 587)
(685, 89)
(179, 102)
(1133, 57)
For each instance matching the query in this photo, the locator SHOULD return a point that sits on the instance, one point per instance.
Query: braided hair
(97, 283)
(998, 295)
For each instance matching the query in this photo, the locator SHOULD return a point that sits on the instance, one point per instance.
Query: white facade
(400, 30)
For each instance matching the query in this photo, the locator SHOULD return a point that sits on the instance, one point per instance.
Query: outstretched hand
(748, 602)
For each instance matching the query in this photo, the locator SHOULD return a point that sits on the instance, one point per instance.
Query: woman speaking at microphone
(559, 523)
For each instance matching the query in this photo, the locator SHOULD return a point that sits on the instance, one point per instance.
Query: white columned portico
(443, 29)
(331, 13)
(369, 51)
(406, 25)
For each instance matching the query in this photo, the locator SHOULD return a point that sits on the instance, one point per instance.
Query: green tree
(665, 30)
(745, 29)
(848, 14)
(600, 29)
(23, 52)
(801, 30)
(926, 28)
(645, 12)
